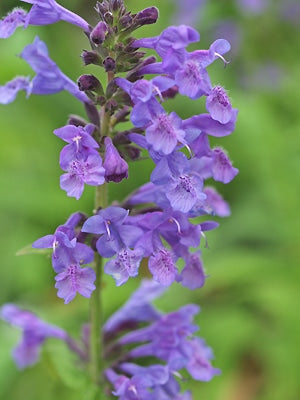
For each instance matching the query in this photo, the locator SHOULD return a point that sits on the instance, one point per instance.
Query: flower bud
(109, 64)
(98, 34)
(76, 120)
(125, 21)
(90, 57)
(115, 166)
(89, 83)
(147, 16)
(132, 152)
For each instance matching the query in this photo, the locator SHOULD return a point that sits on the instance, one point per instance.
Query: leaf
(66, 366)
(30, 250)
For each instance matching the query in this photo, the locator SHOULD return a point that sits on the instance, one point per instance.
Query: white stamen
(107, 229)
(223, 59)
(172, 219)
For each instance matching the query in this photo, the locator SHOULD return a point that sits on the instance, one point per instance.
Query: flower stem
(96, 314)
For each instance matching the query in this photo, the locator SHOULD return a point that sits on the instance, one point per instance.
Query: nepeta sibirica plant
(139, 352)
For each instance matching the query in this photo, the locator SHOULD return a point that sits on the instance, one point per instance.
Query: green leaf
(30, 250)
(66, 366)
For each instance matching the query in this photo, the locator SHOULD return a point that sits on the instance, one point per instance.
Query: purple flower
(116, 235)
(66, 249)
(218, 105)
(116, 168)
(138, 308)
(205, 124)
(214, 203)
(199, 365)
(10, 23)
(164, 336)
(172, 38)
(75, 279)
(165, 132)
(125, 265)
(9, 91)
(192, 275)
(85, 169)
(80, 137)
(49, 79)
(144, 90)
(216, 50)
(133, 388)
(163, 268)
(222, 169)
(44, 12)
(35, 333)
(181, 179)
(192, 78)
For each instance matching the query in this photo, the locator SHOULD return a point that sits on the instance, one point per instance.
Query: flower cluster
(136, 331)
(156, 223)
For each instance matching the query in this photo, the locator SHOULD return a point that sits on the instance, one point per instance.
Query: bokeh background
(250, 303)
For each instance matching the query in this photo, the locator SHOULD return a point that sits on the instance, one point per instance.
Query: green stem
(96, 313)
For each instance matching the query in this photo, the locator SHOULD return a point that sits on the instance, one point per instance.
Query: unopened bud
(98, 34)
(125, 21)
(116, 5)
(89, 83)
(91, 57)
(115, 166)
(109, 64)
(132, 152)
(76, 120)
(147, 16)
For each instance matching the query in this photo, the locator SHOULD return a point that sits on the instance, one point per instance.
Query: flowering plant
(138, 352)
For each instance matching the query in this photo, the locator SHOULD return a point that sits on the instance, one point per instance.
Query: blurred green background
(250, 302)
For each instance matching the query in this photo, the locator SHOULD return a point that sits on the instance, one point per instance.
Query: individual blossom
(44, 12)
(116, 168)
(181, 180)
(162, 266)
(75, 279)
(49, 79)
(35, 333)
(80, 171)
(124, 265)
(205, 124)
(80, 137)
(67, 257)
(9, 91)
(218, 166)
(116, 235)
(215, 204)
(11, 22)
(219, 106)
(173, 37)
(199, 365)
(192, 275)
